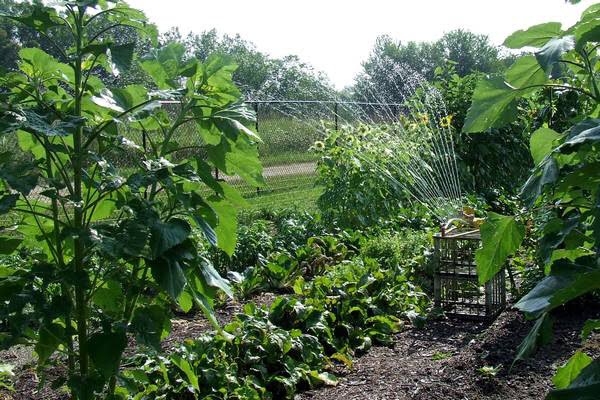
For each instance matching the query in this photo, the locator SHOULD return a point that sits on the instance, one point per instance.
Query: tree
(394, 65)
(258, 75)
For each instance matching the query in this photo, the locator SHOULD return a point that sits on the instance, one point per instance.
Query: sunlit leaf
(568, 372)
(535, 36)
(542, 143)
(501, 237)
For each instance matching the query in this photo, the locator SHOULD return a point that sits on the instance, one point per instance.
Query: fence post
(335, 114)
(256, 128)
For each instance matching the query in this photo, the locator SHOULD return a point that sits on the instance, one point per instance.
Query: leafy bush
(408, 250)
(498, 161)
(563, 187)
(355, 170)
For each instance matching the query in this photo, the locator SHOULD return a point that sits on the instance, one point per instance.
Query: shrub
(356, 169)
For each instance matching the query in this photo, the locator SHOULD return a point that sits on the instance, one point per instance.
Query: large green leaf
(546, 173)
(540, 335)
(584, 133)
(9, 245)
(151, 324)
(41, 18)
(501, 237)
(106, 350)
(187, 368)
(164, 236)
(8, 202)
(238, 157)
(542, 142)
(585, 387)
(568, 372)
(169, 275)
(36, 63)
(213, 278)
(550, 55)
(164, 65)
(493, 106)
(566, 282)
(49, 338)
(535, 36)
(525, 72)
(587, 29)
(226, 228)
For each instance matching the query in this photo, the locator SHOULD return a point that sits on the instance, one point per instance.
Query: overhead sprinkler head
(464, 220)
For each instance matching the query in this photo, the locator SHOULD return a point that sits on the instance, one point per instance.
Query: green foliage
(568, 372)
(275, 352)
(564, 185)
(584, 387)
(497, 162)
(501, 237)
(468, 51)
(115, 244)
(356, 171)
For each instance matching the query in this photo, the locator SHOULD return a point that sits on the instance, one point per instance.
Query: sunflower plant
(113, 240)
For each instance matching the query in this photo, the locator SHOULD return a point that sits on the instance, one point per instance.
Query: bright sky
(335, 36)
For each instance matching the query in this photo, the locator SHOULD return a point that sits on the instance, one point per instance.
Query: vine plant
(564, 188)
(114, 239)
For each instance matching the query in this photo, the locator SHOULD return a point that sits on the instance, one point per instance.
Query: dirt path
(442, 362)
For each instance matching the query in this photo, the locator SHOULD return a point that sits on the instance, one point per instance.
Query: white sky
(335, 36)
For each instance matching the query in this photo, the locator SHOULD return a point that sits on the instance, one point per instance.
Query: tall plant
(564, 186)
(115, 241)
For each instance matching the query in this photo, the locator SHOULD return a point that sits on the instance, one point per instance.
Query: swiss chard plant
(114, 239)
(564, 186)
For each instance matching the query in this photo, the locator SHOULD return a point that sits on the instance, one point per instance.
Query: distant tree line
(265, 77)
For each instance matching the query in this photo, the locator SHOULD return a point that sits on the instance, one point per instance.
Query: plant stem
(80, 298)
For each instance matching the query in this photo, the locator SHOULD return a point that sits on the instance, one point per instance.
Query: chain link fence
(288, 130)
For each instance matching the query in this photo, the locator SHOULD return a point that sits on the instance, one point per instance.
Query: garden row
(341, 293)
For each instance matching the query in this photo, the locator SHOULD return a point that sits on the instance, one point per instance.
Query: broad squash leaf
(540, 335)
(550, 55)
(165, 236)
(493, 106)
(525, 72)
(566, 282)
(106, 349)
(585, 387)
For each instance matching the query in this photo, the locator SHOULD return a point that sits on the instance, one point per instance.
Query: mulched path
(442, 362)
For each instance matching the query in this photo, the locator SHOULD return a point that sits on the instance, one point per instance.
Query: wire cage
(456, 285)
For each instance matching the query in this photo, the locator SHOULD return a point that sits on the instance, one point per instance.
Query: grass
(303, 198)
(287, 158)
(282, 192)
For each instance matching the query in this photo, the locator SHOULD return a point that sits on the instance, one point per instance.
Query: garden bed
(442, 361)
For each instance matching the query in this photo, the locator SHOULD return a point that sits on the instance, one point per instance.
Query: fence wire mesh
(288, 129)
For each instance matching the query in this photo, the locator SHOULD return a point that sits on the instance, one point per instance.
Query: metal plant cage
(456, 285)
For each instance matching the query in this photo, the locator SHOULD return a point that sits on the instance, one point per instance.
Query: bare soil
(443, 361)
